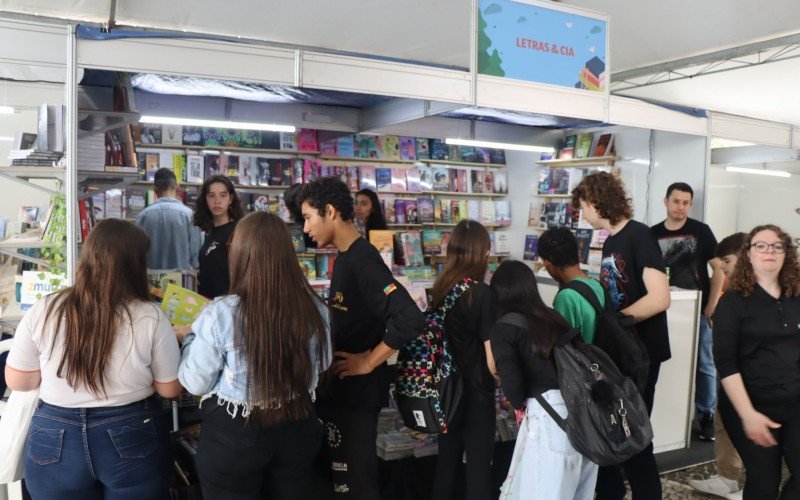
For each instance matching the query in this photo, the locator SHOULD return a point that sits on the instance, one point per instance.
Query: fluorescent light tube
(170, 120)
(758, 171)
(498, 145)
(6, 138)
(6, 110)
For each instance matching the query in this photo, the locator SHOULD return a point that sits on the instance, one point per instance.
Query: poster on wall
(538, 42)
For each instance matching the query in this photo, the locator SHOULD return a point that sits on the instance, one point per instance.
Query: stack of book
(394, 445)
(34, 158)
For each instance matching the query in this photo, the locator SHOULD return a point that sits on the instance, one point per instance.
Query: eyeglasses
(762, 247)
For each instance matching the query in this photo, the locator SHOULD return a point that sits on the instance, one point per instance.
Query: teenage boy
(688, 248)
(633, 271)
(372, 316)
(174, 241)
(558, 250)
(725, 483)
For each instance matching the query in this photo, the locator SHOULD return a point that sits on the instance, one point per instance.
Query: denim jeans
(112, 453)
(705, 395)
(549, 466)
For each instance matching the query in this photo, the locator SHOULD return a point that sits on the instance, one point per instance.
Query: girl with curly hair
(757, 354)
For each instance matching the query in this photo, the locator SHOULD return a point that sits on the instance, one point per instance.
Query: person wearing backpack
(558, 250)
(467, 326)
(633, 272)
(372, 316)
(545, 464)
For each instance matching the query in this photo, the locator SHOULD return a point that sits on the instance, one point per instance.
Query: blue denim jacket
(212, 366)
(174, 241)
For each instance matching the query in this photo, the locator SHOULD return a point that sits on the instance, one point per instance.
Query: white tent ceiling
(642, 32)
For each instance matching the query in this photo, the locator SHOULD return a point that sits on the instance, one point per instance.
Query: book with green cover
(182, 306)
(584, 145)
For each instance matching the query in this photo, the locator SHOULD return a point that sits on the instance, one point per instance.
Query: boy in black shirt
(688, 248)
(633, 272)
(372, 316)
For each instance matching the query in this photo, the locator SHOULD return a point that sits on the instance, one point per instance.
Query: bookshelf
(591, 162)
(226, 149)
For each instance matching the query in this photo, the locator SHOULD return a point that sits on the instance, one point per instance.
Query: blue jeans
(116, 452)
(705, 395)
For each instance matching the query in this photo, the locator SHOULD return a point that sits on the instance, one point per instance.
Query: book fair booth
(503, 142)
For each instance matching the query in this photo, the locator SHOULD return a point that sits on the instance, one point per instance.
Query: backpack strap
(455, 293)
(587, 293)
(551, 411)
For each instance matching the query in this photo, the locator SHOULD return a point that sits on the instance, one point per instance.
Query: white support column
(71, 174)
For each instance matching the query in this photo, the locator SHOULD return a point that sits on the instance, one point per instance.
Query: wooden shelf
(369, 161)
(599, 161)
(492, 257)
(231, 149)
(467, 195)
(404, 225)
(551, 196)
(463, 163)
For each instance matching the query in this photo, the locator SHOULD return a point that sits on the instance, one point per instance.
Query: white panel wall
(679, 158)
(723, 206)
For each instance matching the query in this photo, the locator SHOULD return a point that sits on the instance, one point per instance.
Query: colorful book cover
(584, 239)
(467, 154)
(432, 242)
(391, 147)
(568, 149)
(182, 306)
(179, 167)
(345, 147)
(288, 141)
(488, 213)
(530, 251)
(502, 245)
(399, 180)
(498, 156)
(247, 171)
(604, 145)
(400, 212)
(159, 280)
(37, 284)
(500, 182)
(366, 178)
(425, 210)
(152, 163)
(413, 180)
(136, 200)
(388, 211)
(437, 211)
(150, 133)
(425, 178)
(408, 148)
(455, 211)
(307, 140)
(297, 170)
(308, 265)
(439, 150)
(262, 171)
(502, 213)
(412, 213)
(583, 149)
(192, 136)
(212, 165)
(441, 179)
(383, 240)
(477, 181)
(412, 248)
(422, 149)
(374, 146)
(383, 178)
(445, 211)
(483, 155)
(298, 241)
(352, 178)
(598, 238)
(329, 147)
(488, 182)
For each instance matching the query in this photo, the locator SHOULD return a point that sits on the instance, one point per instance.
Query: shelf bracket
(28, 183)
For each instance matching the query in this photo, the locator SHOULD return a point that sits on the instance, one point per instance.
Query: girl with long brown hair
(467, 326)
(757, 355)
(98, 351)
(255, 355)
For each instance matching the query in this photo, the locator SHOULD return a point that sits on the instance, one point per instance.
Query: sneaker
(717, 485)
(706, 421)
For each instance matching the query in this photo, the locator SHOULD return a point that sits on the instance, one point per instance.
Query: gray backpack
(608, 421)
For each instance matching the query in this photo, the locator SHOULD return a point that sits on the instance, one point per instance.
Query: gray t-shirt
(145, 351)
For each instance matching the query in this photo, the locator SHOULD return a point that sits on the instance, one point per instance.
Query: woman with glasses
(757, 354)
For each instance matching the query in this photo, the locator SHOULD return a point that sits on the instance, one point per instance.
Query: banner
(539, 42)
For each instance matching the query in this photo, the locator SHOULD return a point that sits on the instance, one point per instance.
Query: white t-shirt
(145, 350)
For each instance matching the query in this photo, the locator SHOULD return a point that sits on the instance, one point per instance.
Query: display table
(673, 408)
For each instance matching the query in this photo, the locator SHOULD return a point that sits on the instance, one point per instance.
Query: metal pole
(71, 174)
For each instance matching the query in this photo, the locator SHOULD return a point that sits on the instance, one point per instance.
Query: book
(584, 239)
(262, 171)
(568, 149)
(400, 212)
(24, 140)
(503, 213)
(535, 214)
(412, 248)
(425, 178)
(114, 206)
(530, 251)
(150, 133)
(441, 179)
(182, 306)
(27, 215)
(483, 155)
(497, 156)
(329, 147)
(391, 147)
(383, 240)
(422, 149)
(179, 168)
(383, 179)
(399, 180)
(367, 178)
(413, 180)
(308, 265)
(194, 169)
(212, 165)
(501, 243)
(439, 150)
(171, 135)
(325, 262)
(488, 214)
(477, 181)
(344, 147)
(412, 213)
(298, 241)
(425, 210)
(604, 145)
(583, 149)
(466, 154)
(307, 140)
(275, 172)
(432, 242)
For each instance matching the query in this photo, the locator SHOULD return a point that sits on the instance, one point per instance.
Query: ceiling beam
(398, 111)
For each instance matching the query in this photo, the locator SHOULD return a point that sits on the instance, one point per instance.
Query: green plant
(56, 232)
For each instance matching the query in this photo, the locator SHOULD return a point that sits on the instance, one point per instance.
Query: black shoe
(706, 421)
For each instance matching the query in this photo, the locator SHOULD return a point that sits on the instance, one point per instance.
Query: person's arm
(23, 381)
(403, 319)
(756, 425)
(656, 300)
(506, 354)
(23, 368)
(486, 300)
(201, 360)
(715, 289)
(195, 243)
(165, 358)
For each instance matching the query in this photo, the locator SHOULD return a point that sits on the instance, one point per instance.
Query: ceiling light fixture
(773, 173)
(169, 120)
(498, 145)
(6, 110)
(6, 138)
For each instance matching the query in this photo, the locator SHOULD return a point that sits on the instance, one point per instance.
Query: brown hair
(606, 193)
(744, 279)
(277, 318)
(112, 273)
(203, 218)
(467, 257)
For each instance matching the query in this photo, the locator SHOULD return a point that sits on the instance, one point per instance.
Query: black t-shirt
(523, 373)
(367, 306)
(212, 277)
(625, 256)
(759, 337)
(467, 326)
(686, 254)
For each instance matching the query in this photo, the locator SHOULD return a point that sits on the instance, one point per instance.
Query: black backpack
(616, 336)
(608, 421)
